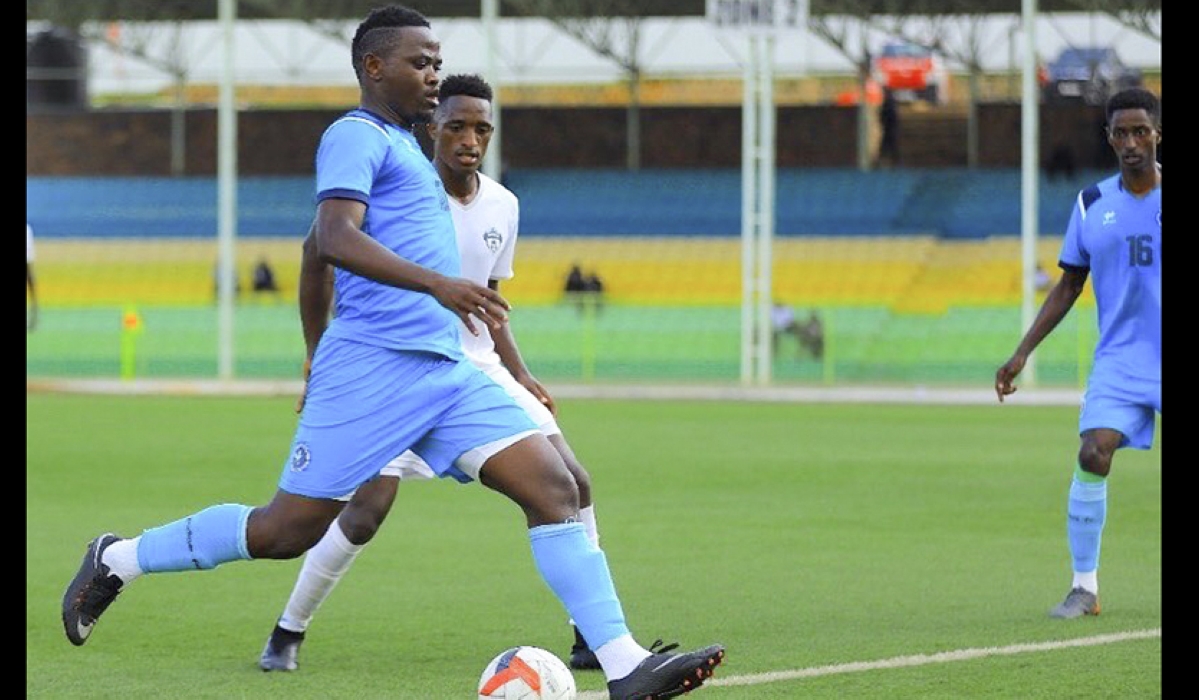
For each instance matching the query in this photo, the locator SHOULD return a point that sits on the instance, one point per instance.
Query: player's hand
(466, 299)
(1007, 374)
(304, 391)
(539, 391)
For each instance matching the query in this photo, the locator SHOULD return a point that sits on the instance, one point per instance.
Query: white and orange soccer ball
(527, 673)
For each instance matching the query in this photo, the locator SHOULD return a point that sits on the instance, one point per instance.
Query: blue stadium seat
(954, 203)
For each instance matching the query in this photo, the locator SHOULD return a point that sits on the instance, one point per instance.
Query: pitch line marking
(914, 660)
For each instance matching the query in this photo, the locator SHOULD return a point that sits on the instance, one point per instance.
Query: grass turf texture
(798, 535)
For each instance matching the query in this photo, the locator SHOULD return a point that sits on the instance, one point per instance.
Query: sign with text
(758, 15)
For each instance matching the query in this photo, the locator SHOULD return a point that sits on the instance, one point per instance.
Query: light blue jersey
(1118, 237)
(389, 373)
(364, 158)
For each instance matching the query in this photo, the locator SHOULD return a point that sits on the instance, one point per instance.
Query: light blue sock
(1085, 515)
(577, 572)
(204, 540)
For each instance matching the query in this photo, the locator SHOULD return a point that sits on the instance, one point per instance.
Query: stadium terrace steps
(918, 274)
(959, 203)
(164, 207)
(912, 240)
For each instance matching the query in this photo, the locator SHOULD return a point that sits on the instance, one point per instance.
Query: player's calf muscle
(289, 526)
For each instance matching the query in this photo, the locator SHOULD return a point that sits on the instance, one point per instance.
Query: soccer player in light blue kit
(486, 218)
(389, 375)
(1115, 233)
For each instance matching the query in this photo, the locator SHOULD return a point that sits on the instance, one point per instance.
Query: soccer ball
(526, 673)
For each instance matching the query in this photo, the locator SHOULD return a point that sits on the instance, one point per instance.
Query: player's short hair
(469, 85)
(376, 34)
(1135, 98)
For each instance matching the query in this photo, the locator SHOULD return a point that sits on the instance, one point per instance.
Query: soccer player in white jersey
(389, 375)
(1115, 233)
(486, 220)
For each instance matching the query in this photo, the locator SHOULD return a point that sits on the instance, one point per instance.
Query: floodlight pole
(1029, 170)
(765, 217)
(226, 192)
(760, 20)
(494, 163)
(757, 208)
(749, 203)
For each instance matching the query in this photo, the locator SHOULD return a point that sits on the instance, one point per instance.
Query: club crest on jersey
(300, 457)
(492, 239)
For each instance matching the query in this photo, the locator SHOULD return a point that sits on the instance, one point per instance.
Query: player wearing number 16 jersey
(1115, 236)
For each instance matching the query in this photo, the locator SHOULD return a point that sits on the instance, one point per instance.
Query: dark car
(1091, 74)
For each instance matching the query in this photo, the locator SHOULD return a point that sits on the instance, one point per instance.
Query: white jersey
(486, 229)
(28, 243)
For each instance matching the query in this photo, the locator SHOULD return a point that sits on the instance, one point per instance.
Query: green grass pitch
(869, 345)
(800, 536)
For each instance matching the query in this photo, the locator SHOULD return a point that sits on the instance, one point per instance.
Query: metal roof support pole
(226, 193)
(1030, 114)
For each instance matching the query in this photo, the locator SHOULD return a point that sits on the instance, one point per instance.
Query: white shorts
(410, 466)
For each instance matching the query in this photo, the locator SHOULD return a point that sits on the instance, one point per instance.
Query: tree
(612, 29)
(847, 32)
(933, 31)
(1145, 16)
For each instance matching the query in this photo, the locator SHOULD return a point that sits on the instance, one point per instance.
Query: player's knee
(273, 540)
(359, 524)
(287, 527)
(533, 474)
(1094, 459)
(366, 511)
(567, 487)
(582, 480)
(554, 499)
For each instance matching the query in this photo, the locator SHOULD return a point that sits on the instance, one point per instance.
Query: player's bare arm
(316, 293)
(341, 242)
(505, 347)
(316, 300)
(1058, 303)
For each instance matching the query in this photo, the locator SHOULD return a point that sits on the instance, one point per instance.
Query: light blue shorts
(367, 404)
(410, 467)
(1126, 407)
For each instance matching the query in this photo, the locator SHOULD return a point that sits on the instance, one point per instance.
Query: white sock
(121, 559)
(324, 565)
(620, 656)
(587, 517)
(1088, 581)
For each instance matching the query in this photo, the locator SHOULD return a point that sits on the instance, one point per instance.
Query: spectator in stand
(264, 278)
